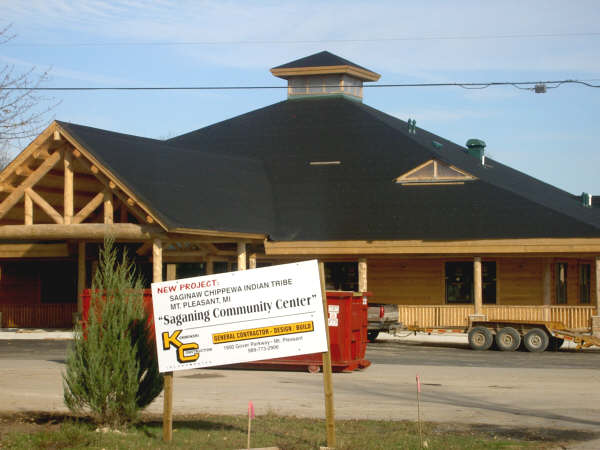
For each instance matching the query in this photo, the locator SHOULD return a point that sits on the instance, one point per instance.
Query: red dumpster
(86, 296)
(347, 319)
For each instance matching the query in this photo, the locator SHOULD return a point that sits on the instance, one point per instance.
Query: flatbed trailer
(508, 335)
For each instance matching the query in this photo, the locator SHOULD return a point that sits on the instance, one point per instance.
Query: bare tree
(23, 112)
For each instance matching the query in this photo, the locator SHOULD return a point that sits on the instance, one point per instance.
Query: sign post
(327, 377)
(236, 317)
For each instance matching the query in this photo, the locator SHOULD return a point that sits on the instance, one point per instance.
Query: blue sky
(552, 136)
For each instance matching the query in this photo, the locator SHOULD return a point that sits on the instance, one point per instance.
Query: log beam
(89, 208)
(88, 231)
(46, 207)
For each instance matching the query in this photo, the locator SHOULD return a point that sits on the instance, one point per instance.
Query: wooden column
(547, 299)
(210, 266)
(477, 285)
(241, 255)
(171, 272)
(109, 213)
(597, 285)
(362, 275)
(596, 318)
(28, 209)
(252, 261)
(80, 274)
(68, 194)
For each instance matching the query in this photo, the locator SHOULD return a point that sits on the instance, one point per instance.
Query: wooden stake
(419, 410)
(327, 378)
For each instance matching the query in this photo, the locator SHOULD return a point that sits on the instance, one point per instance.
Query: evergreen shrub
(111, 368)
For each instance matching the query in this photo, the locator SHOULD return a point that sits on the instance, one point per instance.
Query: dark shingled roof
(321, 59)
(184, 188)
(359, 198)
(251, 173)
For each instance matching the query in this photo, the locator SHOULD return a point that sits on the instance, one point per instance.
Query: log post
(596, 318)
(68, 194)
(362, 275)
(547, 288)
(210, 266)
(241, 255)
(28, 209)
(109, 212)
(171, 272)
(477, 290)
(81, 276)
(252, 261)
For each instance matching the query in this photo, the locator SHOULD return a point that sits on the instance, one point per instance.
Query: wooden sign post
(327, 377)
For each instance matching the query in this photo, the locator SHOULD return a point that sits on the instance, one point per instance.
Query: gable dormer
(324, 74)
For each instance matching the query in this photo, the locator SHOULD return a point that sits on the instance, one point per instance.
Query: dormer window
(434, 172)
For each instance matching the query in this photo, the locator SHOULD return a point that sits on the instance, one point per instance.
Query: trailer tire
(536, 340)
(372, 335)
(508, 339)
(480, 338)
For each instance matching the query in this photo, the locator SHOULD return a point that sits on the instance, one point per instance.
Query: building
(437, 228)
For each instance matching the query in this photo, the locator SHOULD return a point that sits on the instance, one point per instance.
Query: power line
(527, 85)
(307, 41)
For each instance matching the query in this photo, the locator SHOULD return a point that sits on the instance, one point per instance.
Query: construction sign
(237, 317)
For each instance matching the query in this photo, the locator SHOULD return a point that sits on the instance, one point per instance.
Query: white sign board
(236, 317)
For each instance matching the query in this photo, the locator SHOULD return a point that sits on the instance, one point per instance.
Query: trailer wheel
(372, 335)
(508, 339)
(480, 338)
(536, 340)
(555, 343)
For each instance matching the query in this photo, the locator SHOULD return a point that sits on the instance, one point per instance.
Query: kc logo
(181, 347)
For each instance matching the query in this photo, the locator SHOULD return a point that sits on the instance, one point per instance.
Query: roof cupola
(324, 74)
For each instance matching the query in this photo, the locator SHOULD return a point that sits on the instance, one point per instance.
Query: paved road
(558, 392)
(384, 351)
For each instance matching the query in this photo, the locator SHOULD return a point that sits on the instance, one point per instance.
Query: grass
(230, 432)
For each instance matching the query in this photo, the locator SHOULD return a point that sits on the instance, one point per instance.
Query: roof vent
(476, 148)
(586, 200)
(412, 126)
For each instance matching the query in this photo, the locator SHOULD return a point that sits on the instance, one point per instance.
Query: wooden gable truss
(56, 181)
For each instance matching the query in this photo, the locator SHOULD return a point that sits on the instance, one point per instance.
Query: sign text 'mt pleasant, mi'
(238, 317)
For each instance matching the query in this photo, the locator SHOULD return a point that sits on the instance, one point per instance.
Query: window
(584, 283)
(460, 285)
(561, 283)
